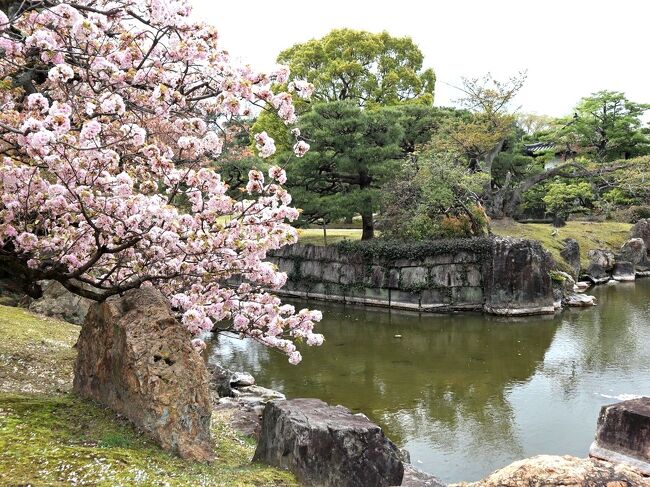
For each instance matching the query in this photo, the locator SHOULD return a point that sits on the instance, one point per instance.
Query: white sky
(570, 48)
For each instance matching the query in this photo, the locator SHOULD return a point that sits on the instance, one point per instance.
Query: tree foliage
(606, 126)
(436, 196)
(368, 68)
(112, 112)
(353, 154)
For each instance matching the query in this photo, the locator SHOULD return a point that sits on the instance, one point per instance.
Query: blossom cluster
(105, 177)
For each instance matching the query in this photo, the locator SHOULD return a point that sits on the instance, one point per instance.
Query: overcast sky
(570, 48)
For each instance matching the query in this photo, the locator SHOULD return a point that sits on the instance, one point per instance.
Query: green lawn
(590, 235)
(315, 235)
(49, 437)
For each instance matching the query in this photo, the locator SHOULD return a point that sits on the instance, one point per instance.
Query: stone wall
(451, 279)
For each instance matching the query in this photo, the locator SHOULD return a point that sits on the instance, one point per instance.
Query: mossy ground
(49, 437)
(590, 235)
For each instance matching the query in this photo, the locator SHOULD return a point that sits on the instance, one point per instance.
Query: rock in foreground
(327, 445)
(566, 471)
(135, 358)
(623, 434)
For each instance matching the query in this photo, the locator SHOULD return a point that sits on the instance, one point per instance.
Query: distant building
(540, 148)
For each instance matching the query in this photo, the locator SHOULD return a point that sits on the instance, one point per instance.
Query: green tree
(368, 68)
(438, 196)
(607, 126)
(353, 153)
(564, 198)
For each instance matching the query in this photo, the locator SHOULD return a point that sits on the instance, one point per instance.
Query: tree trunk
(368, 225)
(559, 220)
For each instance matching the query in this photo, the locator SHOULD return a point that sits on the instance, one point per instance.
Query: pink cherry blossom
(108, 176)
(300, 148)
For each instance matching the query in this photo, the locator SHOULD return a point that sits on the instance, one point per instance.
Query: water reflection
(467, 393)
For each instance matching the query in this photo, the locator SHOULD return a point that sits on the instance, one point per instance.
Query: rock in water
(134, 357)
(623, 434)
(624, 271)
(566, 471)
(327, 445)
(571, 255)
(601, 263)
(60, 303)
(634, 251)
(517, 280)
(580, 300)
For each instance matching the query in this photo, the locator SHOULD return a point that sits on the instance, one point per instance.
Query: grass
(49, 437)
(590, 235)
(314, 236)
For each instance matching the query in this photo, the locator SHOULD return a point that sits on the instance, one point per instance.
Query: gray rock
(327, 445)
(623, 434)
(134, 357)
(582, 286)
(242, 379)
(579, 300)
(634, 251)
(414, 277)
(517, 278)
(641, 229)
(624, 271)
(414, 477)
(601, 263)
(60, 303)
(256, 395)
(571, 255)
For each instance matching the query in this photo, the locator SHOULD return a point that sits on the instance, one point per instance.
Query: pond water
(465, 393)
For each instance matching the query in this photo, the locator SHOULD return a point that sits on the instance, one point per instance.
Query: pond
(466, 393)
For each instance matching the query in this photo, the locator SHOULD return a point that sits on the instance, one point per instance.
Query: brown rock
(566, 471)
(134, 357)
(623, 434)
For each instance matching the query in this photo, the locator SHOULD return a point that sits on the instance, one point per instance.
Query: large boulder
(571, 255)
(517, 278)
(60, 303)
(601, 263)
(327, 445)
(634, 251)
(641, 229)
(565, 471)
(623, 434)
(623, 271)
(134, 357)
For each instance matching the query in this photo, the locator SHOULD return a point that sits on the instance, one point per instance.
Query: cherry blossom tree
(111, 112)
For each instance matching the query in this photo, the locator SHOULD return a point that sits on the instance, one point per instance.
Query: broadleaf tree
(368, 68)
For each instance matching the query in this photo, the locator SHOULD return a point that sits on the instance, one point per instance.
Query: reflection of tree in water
(615, 335)
(446, 373)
